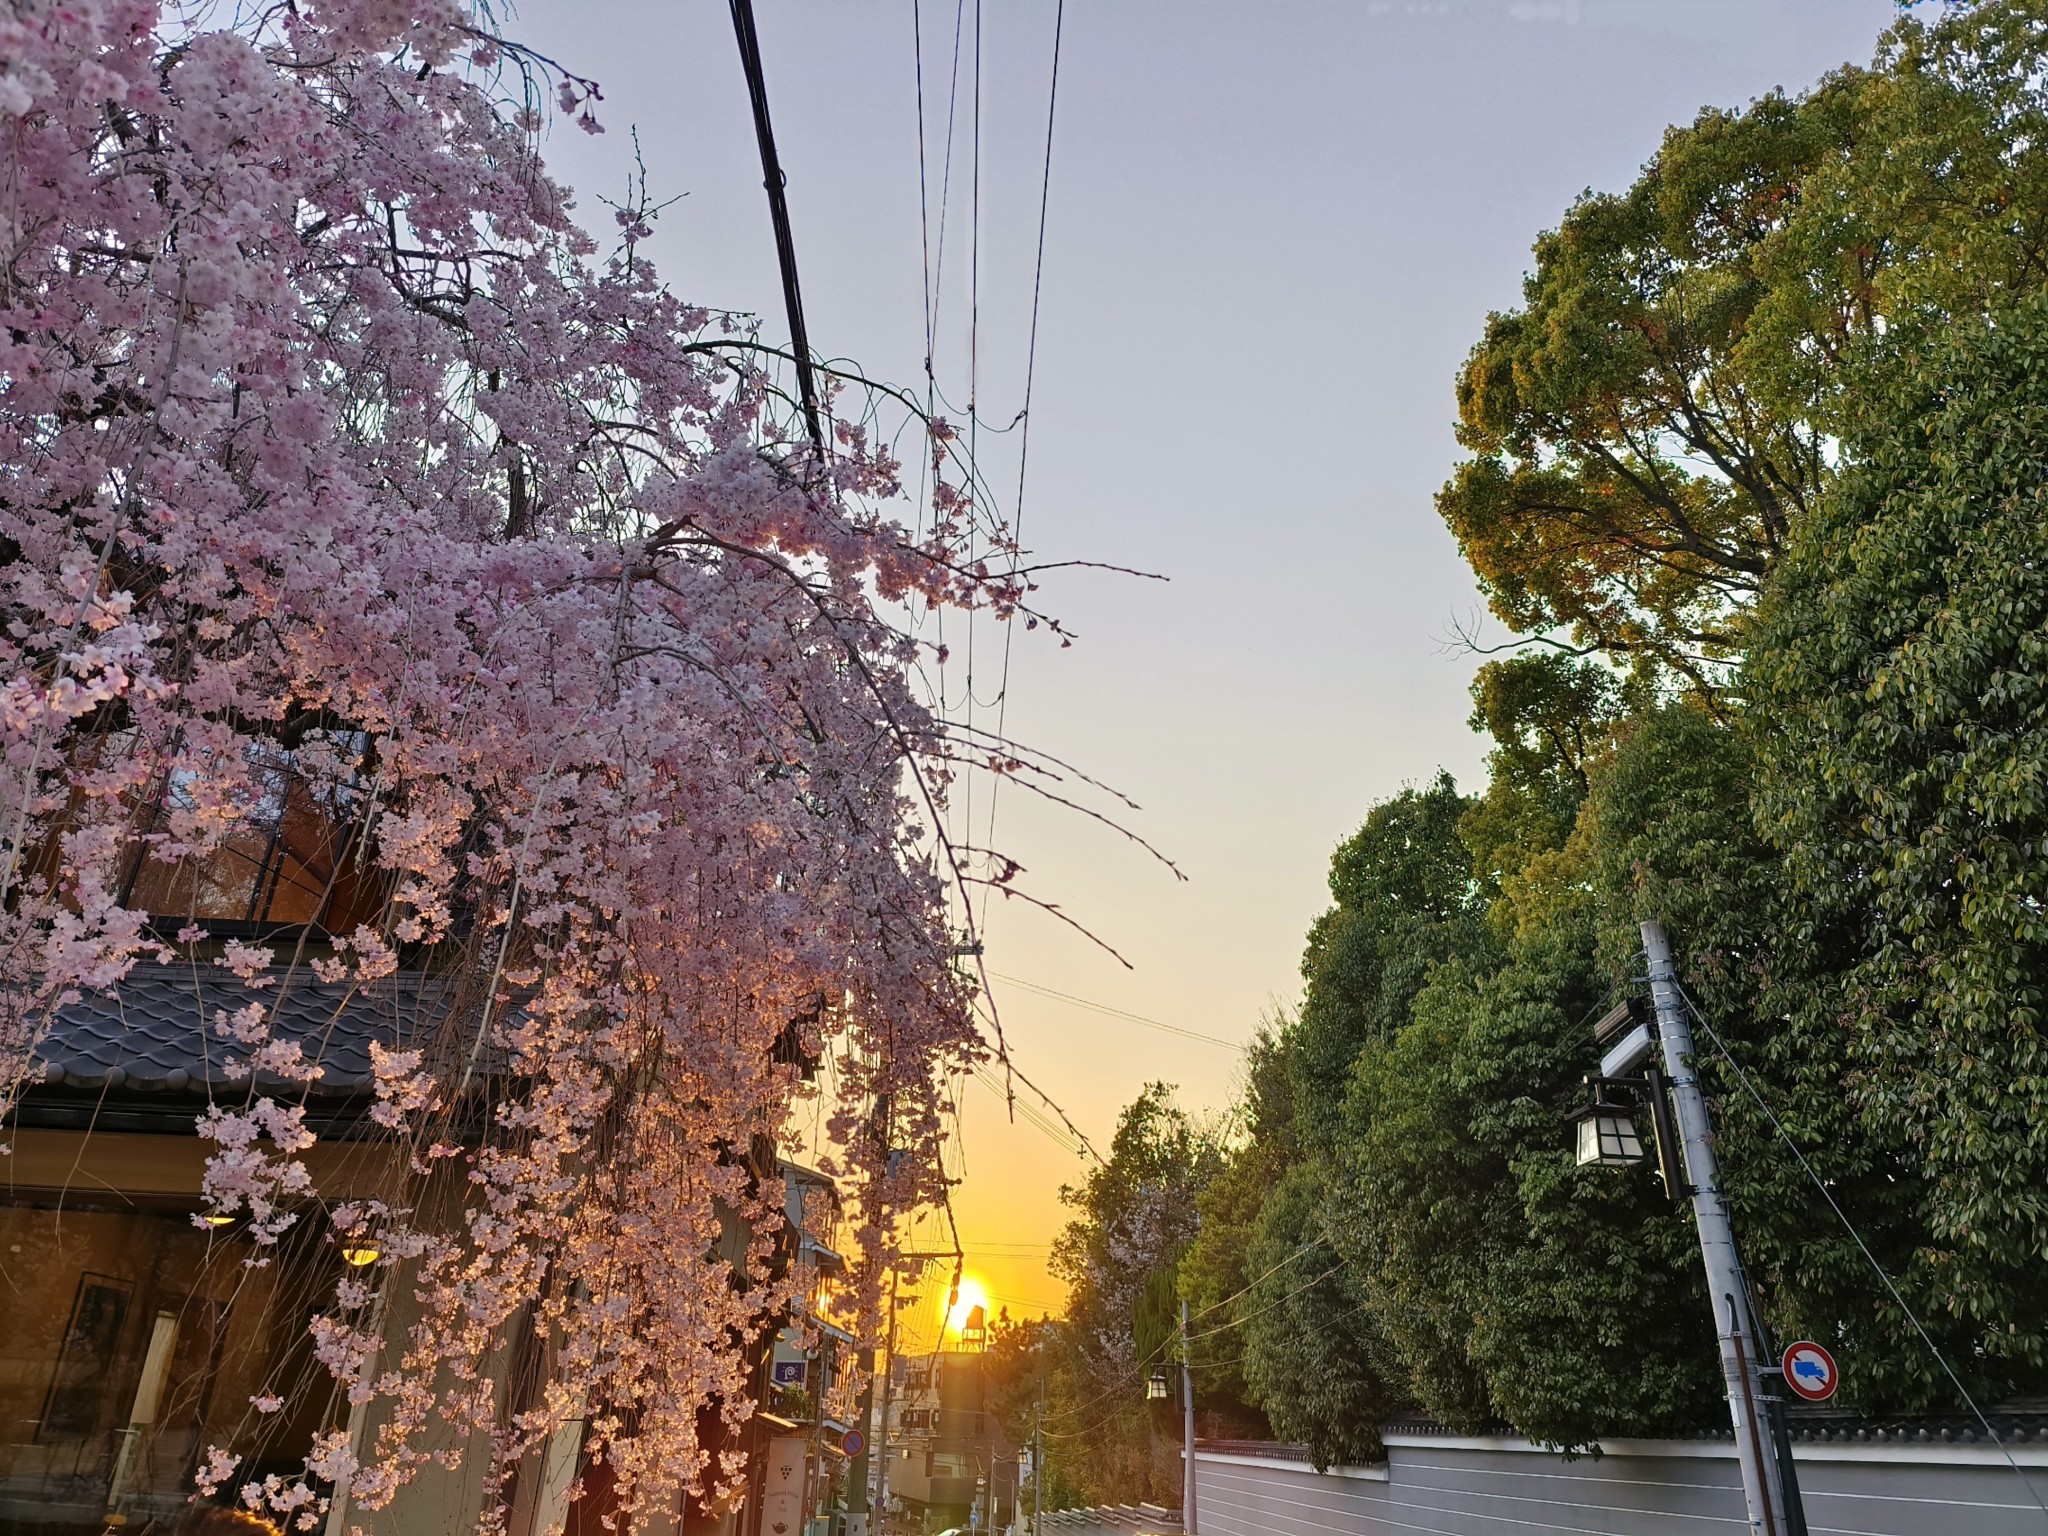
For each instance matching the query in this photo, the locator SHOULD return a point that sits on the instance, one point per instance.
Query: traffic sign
(853, 1442)
(1810, 1371)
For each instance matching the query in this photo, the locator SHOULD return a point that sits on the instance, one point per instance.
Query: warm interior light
(359, 1254)
(1607, 1137)
(215, 1219)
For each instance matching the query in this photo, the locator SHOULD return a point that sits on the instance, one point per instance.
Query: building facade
(948, 1459)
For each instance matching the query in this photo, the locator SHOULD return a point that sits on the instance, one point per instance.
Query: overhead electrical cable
(1849, 1226)
(934, 291)
(1239, 1322)
(1052, 102)
(1053, 1133)
(1131, 1372)
(776, 183)
(1308, 1247)
(1116, 1013)
(973, 419)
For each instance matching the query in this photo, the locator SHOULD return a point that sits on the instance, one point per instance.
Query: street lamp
(1607, 1136)
(1155, 1385)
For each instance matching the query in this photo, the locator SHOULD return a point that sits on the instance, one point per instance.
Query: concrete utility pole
(1038, 1461)
(1187, 1399)
(857, 1472)
(880, 1446)
(1763, 1488)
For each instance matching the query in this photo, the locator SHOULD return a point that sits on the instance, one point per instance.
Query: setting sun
(972, 1294)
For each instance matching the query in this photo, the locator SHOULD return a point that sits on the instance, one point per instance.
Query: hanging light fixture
(360, 1252)
(1155, 1384)
(216, 1219)
(1607, 1136)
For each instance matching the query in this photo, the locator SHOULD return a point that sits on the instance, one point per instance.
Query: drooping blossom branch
(333, 454)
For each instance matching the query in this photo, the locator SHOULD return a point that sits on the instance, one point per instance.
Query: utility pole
(1187, 1400)
(1038, 1459)
(857, 1473)
(1763, 1486)
(880, 1440)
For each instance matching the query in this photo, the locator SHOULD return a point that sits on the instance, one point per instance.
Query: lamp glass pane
(1619, 1144)
(1609, 1139)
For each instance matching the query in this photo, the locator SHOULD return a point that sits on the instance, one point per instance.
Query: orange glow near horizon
(972, 1294)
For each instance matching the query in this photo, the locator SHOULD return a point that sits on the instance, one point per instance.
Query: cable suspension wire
(1059, 1137)
(1117, 1013)
(938, 281)
(1131, 1372)
(1239, 1322)
(1849, 1226)
(1308, 1247)
(973, 422)
(776, 183)
(1052, 101)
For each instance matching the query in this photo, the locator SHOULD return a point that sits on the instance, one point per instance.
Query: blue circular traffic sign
(1810, 1371)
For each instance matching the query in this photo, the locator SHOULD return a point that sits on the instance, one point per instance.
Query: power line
(973, 427)
(1052, 101)
(1131, 1372)
(1308, 1247)
(778, 213)
(1849, 1226)
(1118, 1013)
(1239, 1322)
(1059, 1137)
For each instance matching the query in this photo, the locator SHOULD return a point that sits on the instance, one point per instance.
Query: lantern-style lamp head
(1607, 1136)
(1155, 1384)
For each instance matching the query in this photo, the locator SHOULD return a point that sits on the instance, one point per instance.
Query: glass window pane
(133, 1341)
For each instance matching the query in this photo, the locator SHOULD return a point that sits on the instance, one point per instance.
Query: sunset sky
(1282, 222)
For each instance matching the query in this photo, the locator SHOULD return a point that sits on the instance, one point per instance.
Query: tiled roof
(157, 1030)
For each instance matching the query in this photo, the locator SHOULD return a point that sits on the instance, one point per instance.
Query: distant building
(947, 1454)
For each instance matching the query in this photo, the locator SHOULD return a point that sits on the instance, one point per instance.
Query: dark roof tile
(157, 1030)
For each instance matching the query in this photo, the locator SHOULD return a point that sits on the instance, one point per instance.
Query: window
(290, 858)
(133, 1341)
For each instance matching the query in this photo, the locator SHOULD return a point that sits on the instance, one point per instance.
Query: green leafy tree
(1519, 1288)
(1900, 690)
(1025, 1381)
(1405, 899)
(1214, 1273)
(1647, 432)
(1551, 717)
(1629, 484)
(1313, 1355)
(1774, 424)
(1136, 1213)
(1669, 834)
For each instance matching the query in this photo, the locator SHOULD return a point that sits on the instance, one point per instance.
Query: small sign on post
(1810, 1371)
(853, 1442)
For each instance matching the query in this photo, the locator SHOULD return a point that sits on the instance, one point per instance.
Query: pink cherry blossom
(334, 454)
